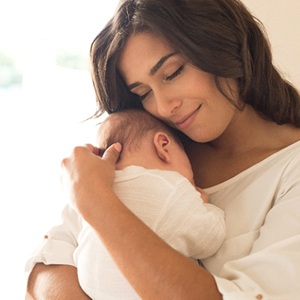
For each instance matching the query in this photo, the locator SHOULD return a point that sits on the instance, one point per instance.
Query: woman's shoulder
(280, 167)
(213, 165)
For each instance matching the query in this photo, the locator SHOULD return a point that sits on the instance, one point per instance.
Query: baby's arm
(194, 228)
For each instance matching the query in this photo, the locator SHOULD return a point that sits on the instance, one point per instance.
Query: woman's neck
(250, 131)
(249, 139)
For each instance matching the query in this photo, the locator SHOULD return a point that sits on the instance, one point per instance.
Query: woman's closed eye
(142, 97)
(175, 74)
(167, 78)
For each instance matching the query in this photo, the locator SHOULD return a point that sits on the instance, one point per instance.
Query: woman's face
(175, 91)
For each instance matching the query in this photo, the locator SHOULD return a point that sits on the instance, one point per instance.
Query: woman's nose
(167, 103)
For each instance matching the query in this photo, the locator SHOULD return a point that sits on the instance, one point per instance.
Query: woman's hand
(87, 177)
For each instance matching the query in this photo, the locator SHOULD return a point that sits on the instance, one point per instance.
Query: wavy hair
(220, 37)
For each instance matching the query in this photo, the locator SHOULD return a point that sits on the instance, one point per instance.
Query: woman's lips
(188, 120)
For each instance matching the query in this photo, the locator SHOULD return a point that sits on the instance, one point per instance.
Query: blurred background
(46, 93)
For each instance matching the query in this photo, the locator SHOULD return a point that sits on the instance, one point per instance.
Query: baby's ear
(162, 143)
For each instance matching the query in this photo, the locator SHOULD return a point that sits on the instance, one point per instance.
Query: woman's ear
(162, 144)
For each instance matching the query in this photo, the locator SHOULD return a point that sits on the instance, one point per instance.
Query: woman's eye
(142, 97)
(176, 73)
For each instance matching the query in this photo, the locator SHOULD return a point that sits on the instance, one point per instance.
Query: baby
(154, 179)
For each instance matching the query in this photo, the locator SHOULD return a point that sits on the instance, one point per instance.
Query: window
(45, 94)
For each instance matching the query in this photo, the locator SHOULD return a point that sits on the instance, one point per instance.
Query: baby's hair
(129, 126)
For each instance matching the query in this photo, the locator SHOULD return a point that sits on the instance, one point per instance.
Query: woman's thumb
(112, 153)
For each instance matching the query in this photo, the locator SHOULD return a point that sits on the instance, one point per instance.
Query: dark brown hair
(220, 37)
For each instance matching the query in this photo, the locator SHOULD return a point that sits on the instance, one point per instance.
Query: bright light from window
(42, 105)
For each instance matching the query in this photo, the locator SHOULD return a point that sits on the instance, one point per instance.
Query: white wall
(282, 22)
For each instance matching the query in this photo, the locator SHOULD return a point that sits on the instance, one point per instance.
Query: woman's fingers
(204, 195)
(112, 153)
(86, 176)
(93, 149)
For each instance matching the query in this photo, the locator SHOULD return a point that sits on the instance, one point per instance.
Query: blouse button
(259, 297)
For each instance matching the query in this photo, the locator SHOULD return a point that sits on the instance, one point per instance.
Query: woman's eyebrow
(160, 63)
(154, 69)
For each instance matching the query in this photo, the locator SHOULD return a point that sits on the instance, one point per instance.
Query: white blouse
(165, 201)
(260, 258)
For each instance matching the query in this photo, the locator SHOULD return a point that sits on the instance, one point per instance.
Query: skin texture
(49, 276)
(230, 141)
(192, 93)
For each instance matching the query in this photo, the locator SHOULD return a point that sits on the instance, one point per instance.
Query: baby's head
(146, 141)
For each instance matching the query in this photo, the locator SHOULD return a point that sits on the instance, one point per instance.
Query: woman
(204, 67)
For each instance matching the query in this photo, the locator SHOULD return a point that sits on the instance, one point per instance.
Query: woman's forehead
(142, 50)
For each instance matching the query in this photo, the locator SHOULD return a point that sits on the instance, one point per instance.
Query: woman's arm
(54, 282)
(154, 269)
(56, 248)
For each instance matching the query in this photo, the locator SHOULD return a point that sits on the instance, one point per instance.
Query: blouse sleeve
(59, 243)
(272, 269)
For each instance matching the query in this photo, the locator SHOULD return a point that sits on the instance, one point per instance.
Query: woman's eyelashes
(142, 97)
(175, 74)
(167, 78)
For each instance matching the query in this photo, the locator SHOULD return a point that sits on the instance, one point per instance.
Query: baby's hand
(204, 195)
